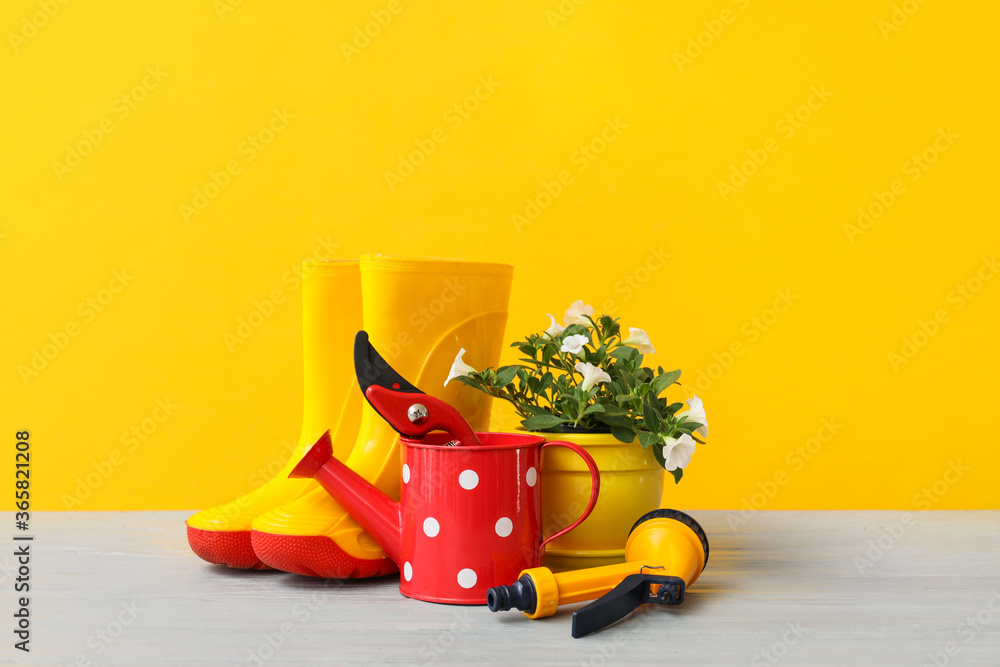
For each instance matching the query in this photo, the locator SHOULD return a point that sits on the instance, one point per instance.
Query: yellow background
(319, 188)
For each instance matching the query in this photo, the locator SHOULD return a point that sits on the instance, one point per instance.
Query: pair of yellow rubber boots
(418, 314)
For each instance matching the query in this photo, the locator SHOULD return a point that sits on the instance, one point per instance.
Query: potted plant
(586, 381)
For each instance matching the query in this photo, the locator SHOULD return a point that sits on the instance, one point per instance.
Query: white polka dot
(504, 526)
(468, 479)
(406, 474)
(467, 578)
(531, 477)
(431, 527)
(407, 571)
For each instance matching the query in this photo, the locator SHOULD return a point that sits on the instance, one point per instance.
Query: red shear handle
(394, 407)
(595, 488)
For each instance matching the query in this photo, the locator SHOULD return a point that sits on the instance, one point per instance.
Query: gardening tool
(408, 410)
(469, 515)
(665, 553)
(419, 311)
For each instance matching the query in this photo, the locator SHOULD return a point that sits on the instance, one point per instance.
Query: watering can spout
(315, 458)
(374, 511)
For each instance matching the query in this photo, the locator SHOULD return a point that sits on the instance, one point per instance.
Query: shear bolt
(417, 413)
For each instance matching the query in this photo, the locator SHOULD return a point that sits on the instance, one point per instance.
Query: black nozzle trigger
(634, 591)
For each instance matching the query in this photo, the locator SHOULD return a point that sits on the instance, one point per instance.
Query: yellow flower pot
(631, 485)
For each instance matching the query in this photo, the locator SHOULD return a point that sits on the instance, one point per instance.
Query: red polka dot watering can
(469, 516)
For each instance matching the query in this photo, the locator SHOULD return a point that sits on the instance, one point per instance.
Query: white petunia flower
(591, 375)
(573, 344)
(696, 413)
(554, 329)
(459, 368)
(575, 313)
(677, 451)
(640, 339)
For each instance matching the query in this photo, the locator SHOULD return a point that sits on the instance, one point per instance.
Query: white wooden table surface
(793, 588)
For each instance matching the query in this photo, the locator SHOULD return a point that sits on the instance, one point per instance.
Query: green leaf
(599, 354)
(650, 418)
(623, 353)
(610, 329)
(674, 407)
(591, 409)
(658, 454)
(647, 439)
(688, 427)
(506, 374)
(677, 473)
(624, 422)
(623, 433)
(547, 354)
(526, 350)
(542, 422)
(472, 382)
(661, 382)
(635, 361)
(614, 410)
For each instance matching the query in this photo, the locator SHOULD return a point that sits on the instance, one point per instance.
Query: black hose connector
(519, 595)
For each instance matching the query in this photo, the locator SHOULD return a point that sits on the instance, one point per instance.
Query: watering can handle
(595, 488)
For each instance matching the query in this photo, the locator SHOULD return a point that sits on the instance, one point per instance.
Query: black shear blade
(372, 369)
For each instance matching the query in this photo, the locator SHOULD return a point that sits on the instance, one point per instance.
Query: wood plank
(797, 588)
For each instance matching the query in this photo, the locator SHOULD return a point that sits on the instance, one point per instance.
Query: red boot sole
(315, 556)
(229, 548)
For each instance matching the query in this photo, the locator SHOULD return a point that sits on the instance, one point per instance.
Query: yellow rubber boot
(418, 314)
(331, 316)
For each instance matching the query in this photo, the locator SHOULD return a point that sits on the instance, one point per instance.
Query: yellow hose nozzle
(665, 552)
